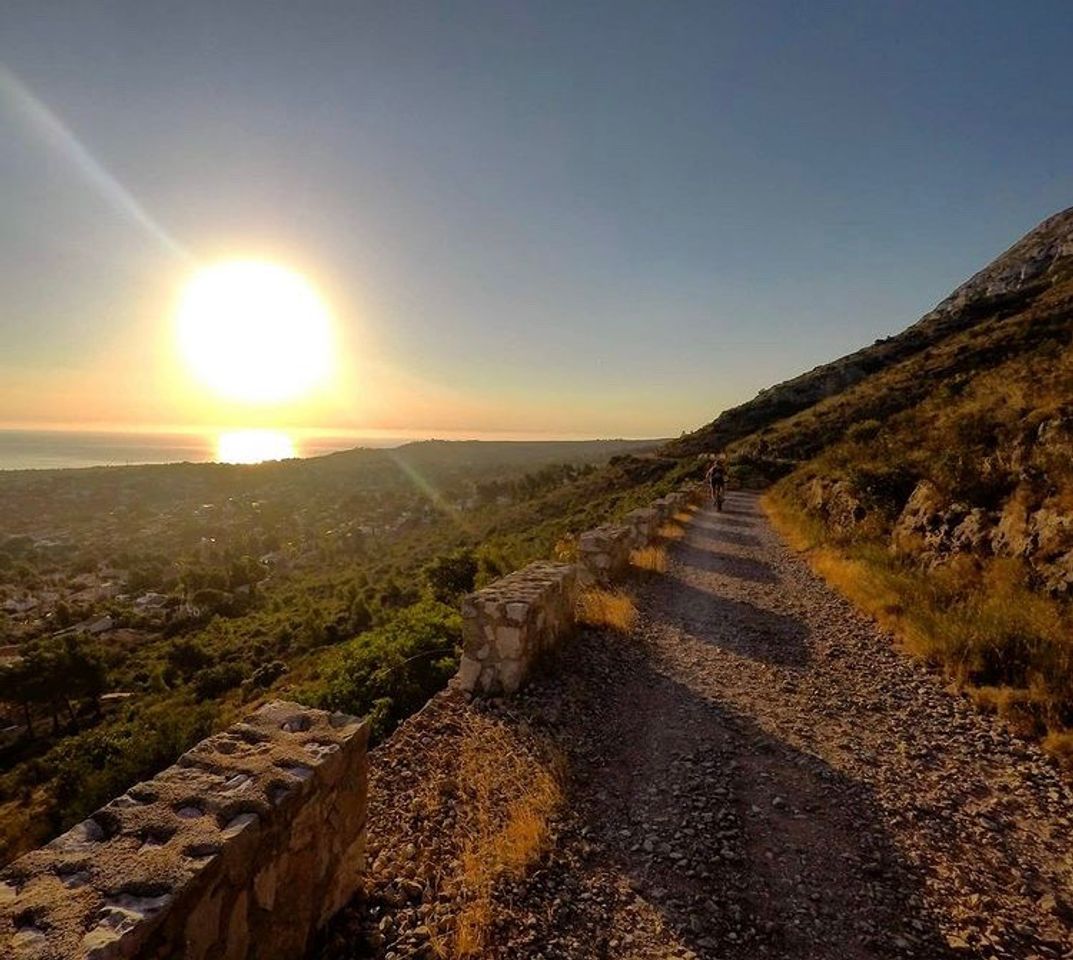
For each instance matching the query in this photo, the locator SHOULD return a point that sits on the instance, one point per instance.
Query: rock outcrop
(836, 502)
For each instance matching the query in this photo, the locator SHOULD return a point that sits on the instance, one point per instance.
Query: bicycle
(718, 496)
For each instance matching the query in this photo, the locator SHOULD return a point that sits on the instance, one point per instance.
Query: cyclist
(717, 480)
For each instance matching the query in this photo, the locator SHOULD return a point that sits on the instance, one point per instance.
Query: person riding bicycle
(717, 480)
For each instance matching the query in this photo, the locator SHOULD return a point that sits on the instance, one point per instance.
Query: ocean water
(45, 449)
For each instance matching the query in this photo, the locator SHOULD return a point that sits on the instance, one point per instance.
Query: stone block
(604, 554)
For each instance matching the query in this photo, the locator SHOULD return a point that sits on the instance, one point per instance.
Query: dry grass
(1059, 743)
(979, 622)
(512, 796)
(671, 531)
(613, 609)
(566, 549)
(683, 517)
(649, 559)
(23, 825)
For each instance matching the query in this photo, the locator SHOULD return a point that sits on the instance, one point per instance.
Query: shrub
(451, 576)
(395, 667)
(215, 681)
(863, 430)
(267, 674)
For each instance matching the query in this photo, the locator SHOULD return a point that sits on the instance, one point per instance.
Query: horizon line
(368, 433)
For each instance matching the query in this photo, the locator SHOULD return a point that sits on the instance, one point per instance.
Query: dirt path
(761, 774)
(757, 773)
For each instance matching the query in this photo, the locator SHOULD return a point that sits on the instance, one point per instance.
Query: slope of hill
(1007, 288)
(931, 474)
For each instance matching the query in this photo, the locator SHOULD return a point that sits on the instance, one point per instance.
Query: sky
(571, 219)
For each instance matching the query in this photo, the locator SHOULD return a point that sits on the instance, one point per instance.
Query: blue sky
(603, 218)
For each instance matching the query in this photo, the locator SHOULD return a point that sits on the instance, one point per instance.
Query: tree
(15, 688)
(83, 665)
(450, 576)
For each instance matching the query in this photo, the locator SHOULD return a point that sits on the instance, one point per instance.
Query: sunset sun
(254, 332)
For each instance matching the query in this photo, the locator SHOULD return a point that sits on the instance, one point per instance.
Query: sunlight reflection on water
(254, 446)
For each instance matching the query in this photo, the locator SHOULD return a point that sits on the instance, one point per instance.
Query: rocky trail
(755, 772)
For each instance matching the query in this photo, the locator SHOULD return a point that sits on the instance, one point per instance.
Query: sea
(51, 449)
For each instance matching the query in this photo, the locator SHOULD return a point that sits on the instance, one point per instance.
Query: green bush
(215, 681)
(450, 577)
(391, 670)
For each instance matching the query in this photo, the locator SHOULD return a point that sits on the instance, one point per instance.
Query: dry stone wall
(242, 849)
(509, 625)
(643, 524)
(604, 554)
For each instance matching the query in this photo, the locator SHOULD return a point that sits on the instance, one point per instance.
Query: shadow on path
(725, 564)
(746, 846)
(702, 531)
(737, 626)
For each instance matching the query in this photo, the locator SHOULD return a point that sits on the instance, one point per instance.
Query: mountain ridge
(1011, 283)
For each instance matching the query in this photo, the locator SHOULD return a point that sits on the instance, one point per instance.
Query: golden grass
(512, 796)
(566, 549)
(613, 609)
(649, 559)
(1059, 743)
(683, 517)
(671, 531)
(978, 621)
(23, 825)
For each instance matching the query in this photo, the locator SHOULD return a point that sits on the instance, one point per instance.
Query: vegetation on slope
(959, 533)
(1007, 287)
(336, 584)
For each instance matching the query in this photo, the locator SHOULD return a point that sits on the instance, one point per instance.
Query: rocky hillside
(964, 332)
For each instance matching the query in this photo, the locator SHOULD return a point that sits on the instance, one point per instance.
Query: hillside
(1018, 299)
(931, 476)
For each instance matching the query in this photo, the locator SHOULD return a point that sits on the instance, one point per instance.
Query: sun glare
(254, 446)
(254, 332)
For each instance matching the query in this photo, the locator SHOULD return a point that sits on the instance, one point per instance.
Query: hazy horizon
(30, 448)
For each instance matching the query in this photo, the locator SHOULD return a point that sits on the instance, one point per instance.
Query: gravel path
(760, 773)
(755, 772)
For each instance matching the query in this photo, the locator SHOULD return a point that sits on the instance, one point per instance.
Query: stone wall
(242, 849)
(509, 625)
(604, 554)
(643, 524)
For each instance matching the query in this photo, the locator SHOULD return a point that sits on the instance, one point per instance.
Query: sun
(254, 332)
